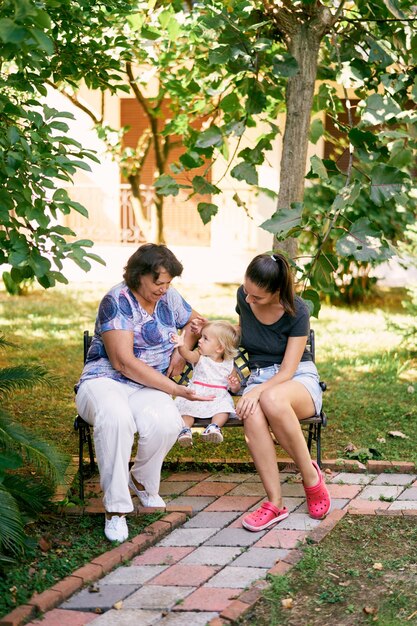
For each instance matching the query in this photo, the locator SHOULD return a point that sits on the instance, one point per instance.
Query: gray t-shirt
(266, 343)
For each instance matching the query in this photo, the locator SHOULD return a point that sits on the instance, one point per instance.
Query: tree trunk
(304, 46)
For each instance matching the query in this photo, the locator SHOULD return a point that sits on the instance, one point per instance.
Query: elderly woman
(125, 386)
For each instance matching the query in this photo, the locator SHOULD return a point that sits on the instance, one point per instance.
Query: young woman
(283, 386)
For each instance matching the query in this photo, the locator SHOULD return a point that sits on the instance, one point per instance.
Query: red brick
(67, 586)
(46, 600)
(158, 529)
(235, 610)
(217, 621)
(184, 575)
(210, 488)
(293, 557)
(389, 512)
(344, 491)
(95, 505)
(89, 573)
(280, 569)
(18, 616)
(366, 507)
(340, 465)
(176, 518)
(376, 467)
(108, 560)
(409, 513)
(251, 596)
(161, 555)
(127, 550)
(64, 617)
(208, 599)
(405, 467)
(142, 541)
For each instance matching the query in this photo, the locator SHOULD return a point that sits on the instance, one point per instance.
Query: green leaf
(149, 32)
(245, 171)
(346, 196)
(318, 167)
(323, 270)
(202, 186)
(316, 130)
(386, 183)
(364, 243)
(380, 109)
(45, 42)
(284, 65)
(230, 103)
(312, 300)
(207, 211)
(191, 159)
(284, 221)
(212, 137)
(10, 32)
(165, 185)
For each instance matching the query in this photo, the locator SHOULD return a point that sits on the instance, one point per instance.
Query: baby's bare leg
(188, 420)
(220, 419)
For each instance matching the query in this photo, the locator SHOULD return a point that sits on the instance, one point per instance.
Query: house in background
(216, 252)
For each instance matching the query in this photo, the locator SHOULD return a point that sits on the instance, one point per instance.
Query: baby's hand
(197, 324)
(178, 340)
(234, 383)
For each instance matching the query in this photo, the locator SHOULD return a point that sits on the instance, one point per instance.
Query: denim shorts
(306, 374)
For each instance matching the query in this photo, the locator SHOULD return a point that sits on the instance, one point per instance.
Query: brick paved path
(208, 569)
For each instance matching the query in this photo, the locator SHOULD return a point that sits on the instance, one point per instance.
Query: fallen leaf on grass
(44, 544)
(370, 610)
(381, 440)
(350, 447)
(398, 433)
(378, 566)
(287, 603)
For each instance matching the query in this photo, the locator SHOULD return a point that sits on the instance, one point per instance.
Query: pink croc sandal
(318, 497)
(267, 515)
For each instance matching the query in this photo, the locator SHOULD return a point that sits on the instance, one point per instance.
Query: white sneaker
(185, 438)
(212, 434)
(116, 529)
(147, 499)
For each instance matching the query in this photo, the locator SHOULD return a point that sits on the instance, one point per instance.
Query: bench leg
(318, 444)
(90, 450)
(81, 436)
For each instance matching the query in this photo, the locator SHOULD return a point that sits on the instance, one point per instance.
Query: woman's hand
(186, 392)
(248, 403)
(176, 364)
(197, 324)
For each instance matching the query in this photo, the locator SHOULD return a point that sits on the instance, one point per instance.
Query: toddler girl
(213, 374)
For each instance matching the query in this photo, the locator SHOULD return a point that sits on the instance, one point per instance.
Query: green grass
(367, 371)
(363, 572)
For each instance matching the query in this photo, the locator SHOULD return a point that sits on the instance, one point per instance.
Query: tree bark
(303, 33)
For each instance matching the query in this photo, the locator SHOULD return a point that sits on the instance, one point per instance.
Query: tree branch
(72, 98)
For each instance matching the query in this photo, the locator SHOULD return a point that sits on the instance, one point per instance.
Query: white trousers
(117, 411)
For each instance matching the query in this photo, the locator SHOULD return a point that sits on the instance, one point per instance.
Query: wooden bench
(312, 425)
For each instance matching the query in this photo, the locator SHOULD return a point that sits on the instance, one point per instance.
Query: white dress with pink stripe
(209, 379)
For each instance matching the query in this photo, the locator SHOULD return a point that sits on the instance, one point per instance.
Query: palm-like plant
(23, 493)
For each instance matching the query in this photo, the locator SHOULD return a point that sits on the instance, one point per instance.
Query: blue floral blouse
(119, 310)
